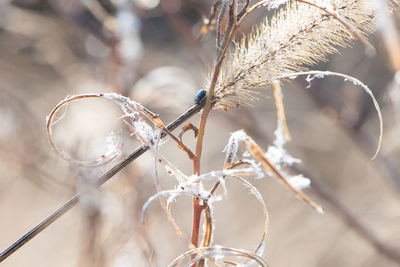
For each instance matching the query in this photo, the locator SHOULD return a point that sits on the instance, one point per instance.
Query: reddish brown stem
(197, 209)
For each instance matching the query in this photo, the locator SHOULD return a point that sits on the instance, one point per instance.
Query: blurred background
(147, 50)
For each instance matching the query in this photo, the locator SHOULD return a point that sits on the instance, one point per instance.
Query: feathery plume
(299, 34)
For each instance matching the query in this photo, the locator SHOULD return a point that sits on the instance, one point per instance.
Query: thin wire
(104, 178)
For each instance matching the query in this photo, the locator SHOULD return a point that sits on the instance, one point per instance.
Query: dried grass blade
(259, 154)
(321, 74)
(280, 108)
(208, 227)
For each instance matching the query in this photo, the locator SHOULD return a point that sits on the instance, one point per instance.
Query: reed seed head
(297, 35)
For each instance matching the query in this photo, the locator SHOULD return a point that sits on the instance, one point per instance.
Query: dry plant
(299, 34)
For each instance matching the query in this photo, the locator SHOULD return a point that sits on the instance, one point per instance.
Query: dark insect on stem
(201, 94)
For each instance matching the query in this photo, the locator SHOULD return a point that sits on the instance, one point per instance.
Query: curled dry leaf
(260, 155)
(231, 151)
(280, 110)
(131, 109)
(320, 74)
(192, 187)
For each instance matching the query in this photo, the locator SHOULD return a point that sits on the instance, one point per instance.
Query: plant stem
(197, 209)
(228, 37)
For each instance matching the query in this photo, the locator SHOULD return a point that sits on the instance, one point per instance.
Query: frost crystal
(144, 130)
(275, 4)
(299, 182)
(113, 143)
(232, 147)
(280, 158)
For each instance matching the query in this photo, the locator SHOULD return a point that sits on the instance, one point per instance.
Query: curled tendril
(231, 174)
(320, 74)
(217, 254)
(172, 195)
(188, 188)
(257, 194)
(130, 108)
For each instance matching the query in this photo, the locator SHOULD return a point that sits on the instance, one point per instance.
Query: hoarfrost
(299, 182)
(280, 158)
(275, 4)
(144, 130)
(232, 147)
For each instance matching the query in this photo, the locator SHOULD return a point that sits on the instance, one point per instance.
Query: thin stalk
(231, 31)
(228, 38)
(181, 145)
(211, 93)
(197, 209)
(250, 10)
(208, 232)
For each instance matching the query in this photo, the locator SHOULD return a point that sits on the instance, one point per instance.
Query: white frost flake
(280, 158)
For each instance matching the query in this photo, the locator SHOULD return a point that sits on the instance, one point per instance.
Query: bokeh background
(147, 50)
